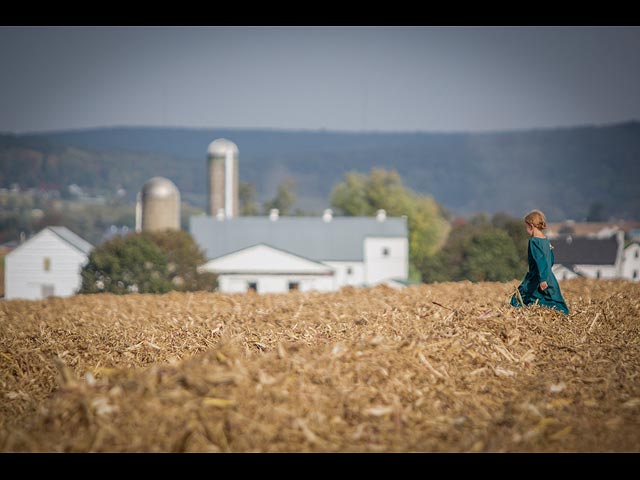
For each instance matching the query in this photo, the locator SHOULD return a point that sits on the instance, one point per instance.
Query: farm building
(631, 262)
(273, 254)
(592, 229)
(47, 264)
(590, 257)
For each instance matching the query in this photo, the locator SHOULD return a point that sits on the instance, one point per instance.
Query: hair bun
(537, 219)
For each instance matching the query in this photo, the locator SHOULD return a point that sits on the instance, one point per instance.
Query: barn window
(294, 285)
(635, 274)
(47, 264)
(637, 254)
(597, 273)
(253, 286)
(349, 270)
(385, 251)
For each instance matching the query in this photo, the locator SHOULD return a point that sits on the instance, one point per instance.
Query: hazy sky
(338, 78)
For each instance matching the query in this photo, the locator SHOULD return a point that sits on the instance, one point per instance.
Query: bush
(148, 262)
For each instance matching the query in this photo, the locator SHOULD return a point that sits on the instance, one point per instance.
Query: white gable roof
(262, 258)
(72, 239)
(61, 233)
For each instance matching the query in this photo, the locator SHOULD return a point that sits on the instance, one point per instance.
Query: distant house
(631, 262)
(324, 253)
(592, 229)
(590, 257)
(47, 264)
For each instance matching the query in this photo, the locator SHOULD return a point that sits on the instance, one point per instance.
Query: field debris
(447, 367)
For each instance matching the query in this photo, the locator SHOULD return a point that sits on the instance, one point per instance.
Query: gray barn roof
(341, 239)
(569, 250)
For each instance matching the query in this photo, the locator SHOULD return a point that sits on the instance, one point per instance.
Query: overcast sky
(338, 78)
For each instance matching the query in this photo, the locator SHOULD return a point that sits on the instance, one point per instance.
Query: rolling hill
(562, 171)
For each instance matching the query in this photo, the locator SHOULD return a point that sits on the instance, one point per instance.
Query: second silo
(158, 206)
(222, 182)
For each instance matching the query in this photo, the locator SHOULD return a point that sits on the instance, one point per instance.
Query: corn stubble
(445, 367)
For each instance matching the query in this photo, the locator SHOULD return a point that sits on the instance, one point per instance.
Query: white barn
(631, 262)
(590, 257)
(47, 264)
(278, 254)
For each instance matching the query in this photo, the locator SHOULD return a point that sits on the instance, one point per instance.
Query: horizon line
(318, 129)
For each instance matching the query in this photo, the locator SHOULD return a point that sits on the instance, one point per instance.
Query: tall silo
(222, 157)
(158, 206)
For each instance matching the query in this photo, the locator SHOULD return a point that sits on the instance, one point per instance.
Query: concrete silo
(222, 182)
(158, 206)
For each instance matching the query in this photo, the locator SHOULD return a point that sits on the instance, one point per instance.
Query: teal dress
(540, 262)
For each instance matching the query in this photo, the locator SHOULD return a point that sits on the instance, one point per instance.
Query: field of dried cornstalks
(446, 367)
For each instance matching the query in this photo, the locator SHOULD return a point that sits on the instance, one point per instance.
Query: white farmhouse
(631, 262)
(590, 257)
(48, 263)
(324, 253)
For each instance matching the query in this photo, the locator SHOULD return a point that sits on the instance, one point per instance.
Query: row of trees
(440, 248)
(480, 249)
(284, 200)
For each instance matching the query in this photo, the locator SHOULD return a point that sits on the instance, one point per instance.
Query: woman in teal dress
(539, 284)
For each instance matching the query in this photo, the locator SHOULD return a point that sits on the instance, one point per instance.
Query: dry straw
(433, 368)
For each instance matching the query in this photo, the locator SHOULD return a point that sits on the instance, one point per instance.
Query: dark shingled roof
(569, 250)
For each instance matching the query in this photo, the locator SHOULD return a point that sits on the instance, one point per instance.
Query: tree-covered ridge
(562, 171)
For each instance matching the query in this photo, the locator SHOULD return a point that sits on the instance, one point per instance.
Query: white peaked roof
(263, 259)
(64, 234)
(72, 239)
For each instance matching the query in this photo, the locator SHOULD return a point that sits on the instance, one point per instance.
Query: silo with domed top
(222, 178)
(158, 206)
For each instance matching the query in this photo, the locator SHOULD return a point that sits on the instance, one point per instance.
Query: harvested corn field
(446, 367)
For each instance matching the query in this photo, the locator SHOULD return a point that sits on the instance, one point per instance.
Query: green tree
(183, 258)
(285, 198)
(359, 195)
(516, 230)
(124, 265)
(247, 196)
(491, 256)
(476, 251)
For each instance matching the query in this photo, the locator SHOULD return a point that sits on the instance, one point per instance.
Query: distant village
(277, 254)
